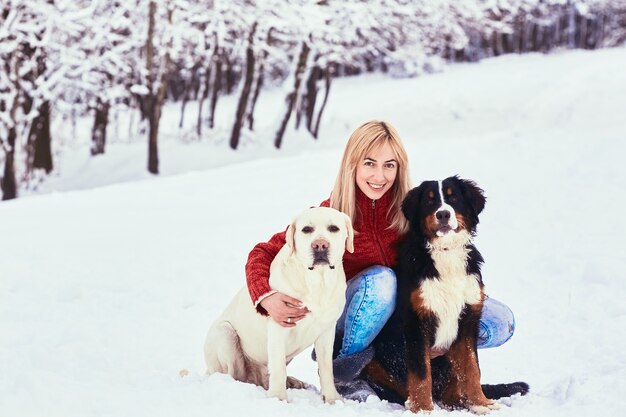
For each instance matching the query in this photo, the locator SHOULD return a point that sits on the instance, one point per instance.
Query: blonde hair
(365, 139)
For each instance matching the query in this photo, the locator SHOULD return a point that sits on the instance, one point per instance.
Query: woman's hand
(283, 309)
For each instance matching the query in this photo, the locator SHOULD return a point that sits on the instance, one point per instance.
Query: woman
(372, 182)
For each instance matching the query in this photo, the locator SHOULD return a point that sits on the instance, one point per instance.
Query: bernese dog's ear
(474, 195)
(410, 204)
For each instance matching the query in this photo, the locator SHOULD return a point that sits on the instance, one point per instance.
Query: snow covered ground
(106, 292)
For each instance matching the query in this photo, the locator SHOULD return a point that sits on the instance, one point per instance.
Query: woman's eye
(307, 229)
(368, 164)
(390, 166)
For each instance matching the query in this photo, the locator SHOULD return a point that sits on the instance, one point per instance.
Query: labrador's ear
(350, 238)
(290, 238)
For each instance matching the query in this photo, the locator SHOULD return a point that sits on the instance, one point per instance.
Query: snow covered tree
(155, 21)
(99, 62)
(25, 86)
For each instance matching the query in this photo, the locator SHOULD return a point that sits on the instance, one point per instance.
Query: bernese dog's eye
(333, 229)
(430, 198)
(307, 229)
(453, 199)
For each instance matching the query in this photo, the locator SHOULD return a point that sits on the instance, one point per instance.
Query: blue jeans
(371, 299)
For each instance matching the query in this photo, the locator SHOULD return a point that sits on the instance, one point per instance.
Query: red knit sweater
(374, 244)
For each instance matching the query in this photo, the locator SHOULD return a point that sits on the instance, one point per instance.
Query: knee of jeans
(383, 283)
(498, 328)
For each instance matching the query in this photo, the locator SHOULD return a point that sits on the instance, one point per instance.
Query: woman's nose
(378, 174)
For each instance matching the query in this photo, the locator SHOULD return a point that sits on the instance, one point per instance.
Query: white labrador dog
(254, 348)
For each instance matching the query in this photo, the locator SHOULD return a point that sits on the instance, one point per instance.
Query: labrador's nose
(320, 244)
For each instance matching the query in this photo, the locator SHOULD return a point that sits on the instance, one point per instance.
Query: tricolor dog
(440, 298)
(254, 348)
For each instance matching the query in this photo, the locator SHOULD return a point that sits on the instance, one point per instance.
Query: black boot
(348, 368)
(357, 390)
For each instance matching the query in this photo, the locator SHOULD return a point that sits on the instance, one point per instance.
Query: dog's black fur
(402, 347)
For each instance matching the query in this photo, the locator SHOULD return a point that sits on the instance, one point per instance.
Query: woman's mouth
(376, 187)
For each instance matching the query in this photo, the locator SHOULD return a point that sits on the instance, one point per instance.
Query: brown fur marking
(461, 221)
(418, 304)
(420, 395)
(377, 373)
(430, 226)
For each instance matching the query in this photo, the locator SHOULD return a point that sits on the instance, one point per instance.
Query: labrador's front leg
(324, 352)
(276, 360)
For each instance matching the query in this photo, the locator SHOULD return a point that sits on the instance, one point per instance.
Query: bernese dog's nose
(319, 245)
(443, 216)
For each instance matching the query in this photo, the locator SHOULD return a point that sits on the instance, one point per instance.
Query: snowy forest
(84, 58)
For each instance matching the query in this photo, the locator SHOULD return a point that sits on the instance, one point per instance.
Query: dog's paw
(281, 394)
(331, 397)
(484, 409)
(418, 408)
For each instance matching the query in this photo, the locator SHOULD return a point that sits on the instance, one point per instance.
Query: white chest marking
(447, 295)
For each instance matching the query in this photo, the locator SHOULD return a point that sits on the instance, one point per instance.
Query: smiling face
(376, 173)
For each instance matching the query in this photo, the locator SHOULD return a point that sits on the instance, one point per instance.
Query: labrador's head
(319, 236)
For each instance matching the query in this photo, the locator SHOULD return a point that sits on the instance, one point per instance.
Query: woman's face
(376, 173)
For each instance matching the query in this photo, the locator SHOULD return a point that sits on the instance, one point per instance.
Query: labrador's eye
(333, 229)
(307, 229)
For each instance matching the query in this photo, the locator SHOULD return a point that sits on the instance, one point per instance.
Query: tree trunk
(292, 97)
(8, 183)
(183, 106)
(583, 33)
(39, 139)
(99, 130)
(229, 76)
(311, 97)
(245, 91)
(216, 87)
(571, 27)
(154, 100)
(155, 118)
(258, 84)
(205, 94)
(153, 137)
(327, 78)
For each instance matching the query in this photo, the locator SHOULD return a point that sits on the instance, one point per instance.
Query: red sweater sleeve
(258, 269)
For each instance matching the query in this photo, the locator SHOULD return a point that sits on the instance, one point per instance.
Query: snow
(110, 277)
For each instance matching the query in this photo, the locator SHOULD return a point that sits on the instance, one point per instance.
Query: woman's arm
(283, 309)
(258, 269)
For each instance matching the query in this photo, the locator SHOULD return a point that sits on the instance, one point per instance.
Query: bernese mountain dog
(439, 303)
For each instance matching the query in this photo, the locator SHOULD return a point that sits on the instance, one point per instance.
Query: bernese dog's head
(440, 210)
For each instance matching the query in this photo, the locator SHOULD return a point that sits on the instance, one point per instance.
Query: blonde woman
(372, 182)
